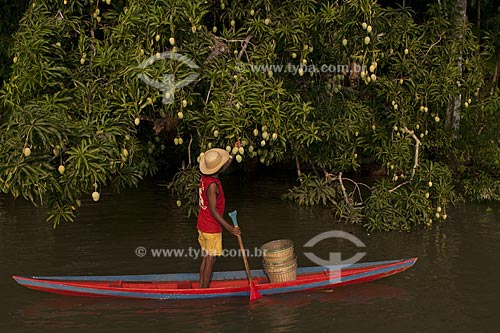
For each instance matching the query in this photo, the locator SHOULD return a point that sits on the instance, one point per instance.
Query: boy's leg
(207, 265)
(211, 246)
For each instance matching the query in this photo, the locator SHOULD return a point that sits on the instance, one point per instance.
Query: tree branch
(426, 53)
(244, 45)
(342, 187)
(356, 185)
(394, 189)
(417, 145)
(297, 165)
(189, 151)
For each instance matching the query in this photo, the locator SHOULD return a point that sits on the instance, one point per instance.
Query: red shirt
(206, 221)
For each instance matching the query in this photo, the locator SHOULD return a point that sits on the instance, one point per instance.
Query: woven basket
(282, 272)
(277, 251)
(277, 267)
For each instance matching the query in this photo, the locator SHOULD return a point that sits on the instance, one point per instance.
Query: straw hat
(213, 160)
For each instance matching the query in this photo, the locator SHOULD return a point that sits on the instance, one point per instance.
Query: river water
(453, 287)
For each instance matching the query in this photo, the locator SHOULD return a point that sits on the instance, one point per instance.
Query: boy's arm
(212, 199)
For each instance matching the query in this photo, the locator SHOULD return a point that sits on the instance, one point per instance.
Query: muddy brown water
(454, 286)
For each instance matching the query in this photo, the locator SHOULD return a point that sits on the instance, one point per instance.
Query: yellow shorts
(211, 244)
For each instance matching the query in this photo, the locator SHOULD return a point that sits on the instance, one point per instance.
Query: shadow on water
(453, 286)
(277, 313)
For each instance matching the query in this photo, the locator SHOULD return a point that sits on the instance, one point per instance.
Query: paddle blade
(254, 293)
(233, 217)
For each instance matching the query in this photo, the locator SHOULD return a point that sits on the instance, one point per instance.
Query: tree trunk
(459, 24)
(479, 18)
(496, 74)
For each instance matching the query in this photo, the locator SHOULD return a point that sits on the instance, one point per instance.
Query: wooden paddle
(254, 293)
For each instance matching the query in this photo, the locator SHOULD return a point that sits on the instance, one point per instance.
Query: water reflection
(279, 313)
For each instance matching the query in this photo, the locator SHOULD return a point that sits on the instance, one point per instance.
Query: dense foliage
(280, 76)
(11, 14)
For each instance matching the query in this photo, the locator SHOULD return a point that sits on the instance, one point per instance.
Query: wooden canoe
(224, 284)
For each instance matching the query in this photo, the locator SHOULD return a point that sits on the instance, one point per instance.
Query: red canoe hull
(224, 284)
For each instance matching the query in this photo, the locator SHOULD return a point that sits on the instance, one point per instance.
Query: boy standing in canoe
(212, 201)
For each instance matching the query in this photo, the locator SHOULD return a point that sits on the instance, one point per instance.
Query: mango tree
(326, 87)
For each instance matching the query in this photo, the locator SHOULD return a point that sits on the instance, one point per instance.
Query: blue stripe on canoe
(128, 294)
(334, 281)
(229, 275)
(328, 282)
